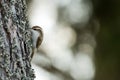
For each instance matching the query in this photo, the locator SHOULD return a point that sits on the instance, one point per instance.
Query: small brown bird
(37, 38)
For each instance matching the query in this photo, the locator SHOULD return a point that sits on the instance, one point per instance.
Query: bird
(37, 38)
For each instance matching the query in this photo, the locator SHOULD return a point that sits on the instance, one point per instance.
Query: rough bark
(15, 41)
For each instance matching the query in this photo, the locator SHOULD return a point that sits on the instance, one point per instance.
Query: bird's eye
(34, 29)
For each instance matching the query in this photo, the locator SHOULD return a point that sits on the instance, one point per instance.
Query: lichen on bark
(15, 41)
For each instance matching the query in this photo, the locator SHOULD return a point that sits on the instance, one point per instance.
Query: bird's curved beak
(29, 28)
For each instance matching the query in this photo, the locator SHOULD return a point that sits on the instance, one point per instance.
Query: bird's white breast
(35, 36)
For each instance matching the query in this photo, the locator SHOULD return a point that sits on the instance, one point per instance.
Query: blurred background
(81, 39)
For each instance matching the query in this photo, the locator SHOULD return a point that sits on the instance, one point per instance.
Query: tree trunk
(15, 41)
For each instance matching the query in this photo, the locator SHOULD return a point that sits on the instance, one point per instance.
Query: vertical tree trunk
(15, 41)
